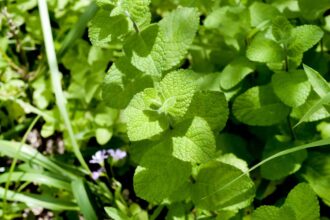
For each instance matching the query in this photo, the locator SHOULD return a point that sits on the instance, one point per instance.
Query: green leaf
(259, 106)
(160, 175)
(311, 110)
(301, 204)
(316, 109)
(122, 82)
(264, 50)
(273, 213)
(231, 159)
(137, 10)
(161, 47)
(109, 25)
(193, 141)
(316, 171)
(292, 88)
(83, 197)
(177, 90)
(212, 192)
(211, 106)
(261, 12)
(103, 135)
(104, 28)
(235, 72)
(281, 29)
(230, 143)
(152, 111)
(281, 166)
(319, 84)
(304, 202)
(115, 214)
(303, 38)
(144, 122)
(229, 21)
(312, 10)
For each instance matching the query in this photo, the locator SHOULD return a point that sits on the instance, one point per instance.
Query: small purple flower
(98, 173)
(117, 154)
(99, 157)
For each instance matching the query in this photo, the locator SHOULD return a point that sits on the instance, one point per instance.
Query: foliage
(182, 109)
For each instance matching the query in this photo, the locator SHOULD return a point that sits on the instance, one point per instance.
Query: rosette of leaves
(282, 44)
(171, 121)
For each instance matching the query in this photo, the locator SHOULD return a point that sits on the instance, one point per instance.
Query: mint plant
(165, 109)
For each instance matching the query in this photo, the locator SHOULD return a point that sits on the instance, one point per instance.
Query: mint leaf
(160, 175)
(264, 50)
(177, 90)
(143, 50)
(154, 110)
(282, 166)
(304, 202)
(281, 29)
(177, 31)
(115, 19)
(104, 28)
(261, 12)
(312, 10)
(235, 72)
(231, 159)
(103, 135)
(122, 82)
(230, 143)
(214, 190)
(292, 88)
(229, 21)
(259, 106)
(193, 141)
(137, 11)
(301, 204)
(316, 171)
(211, 106)
(303, 38)
(273, 213)
(162, 46)
(143, 122)
(302, 112)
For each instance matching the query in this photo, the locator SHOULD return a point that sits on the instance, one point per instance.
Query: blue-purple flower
(98, 173)
(99, 157)
(117, 154)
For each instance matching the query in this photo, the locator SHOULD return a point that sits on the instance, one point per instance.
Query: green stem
(156, 213)
(56, 80)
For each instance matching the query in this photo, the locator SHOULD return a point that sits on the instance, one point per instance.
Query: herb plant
(174, 109)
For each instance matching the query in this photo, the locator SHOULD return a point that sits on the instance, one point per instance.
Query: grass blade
(37, 177)
(81, 193)
(39, 201)
(15, 158)
(78, 30)
(318, 143)
(319, 104)
(55, 78)
(31, 155)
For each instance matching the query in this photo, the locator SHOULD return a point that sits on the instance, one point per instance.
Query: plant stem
(56, 80)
